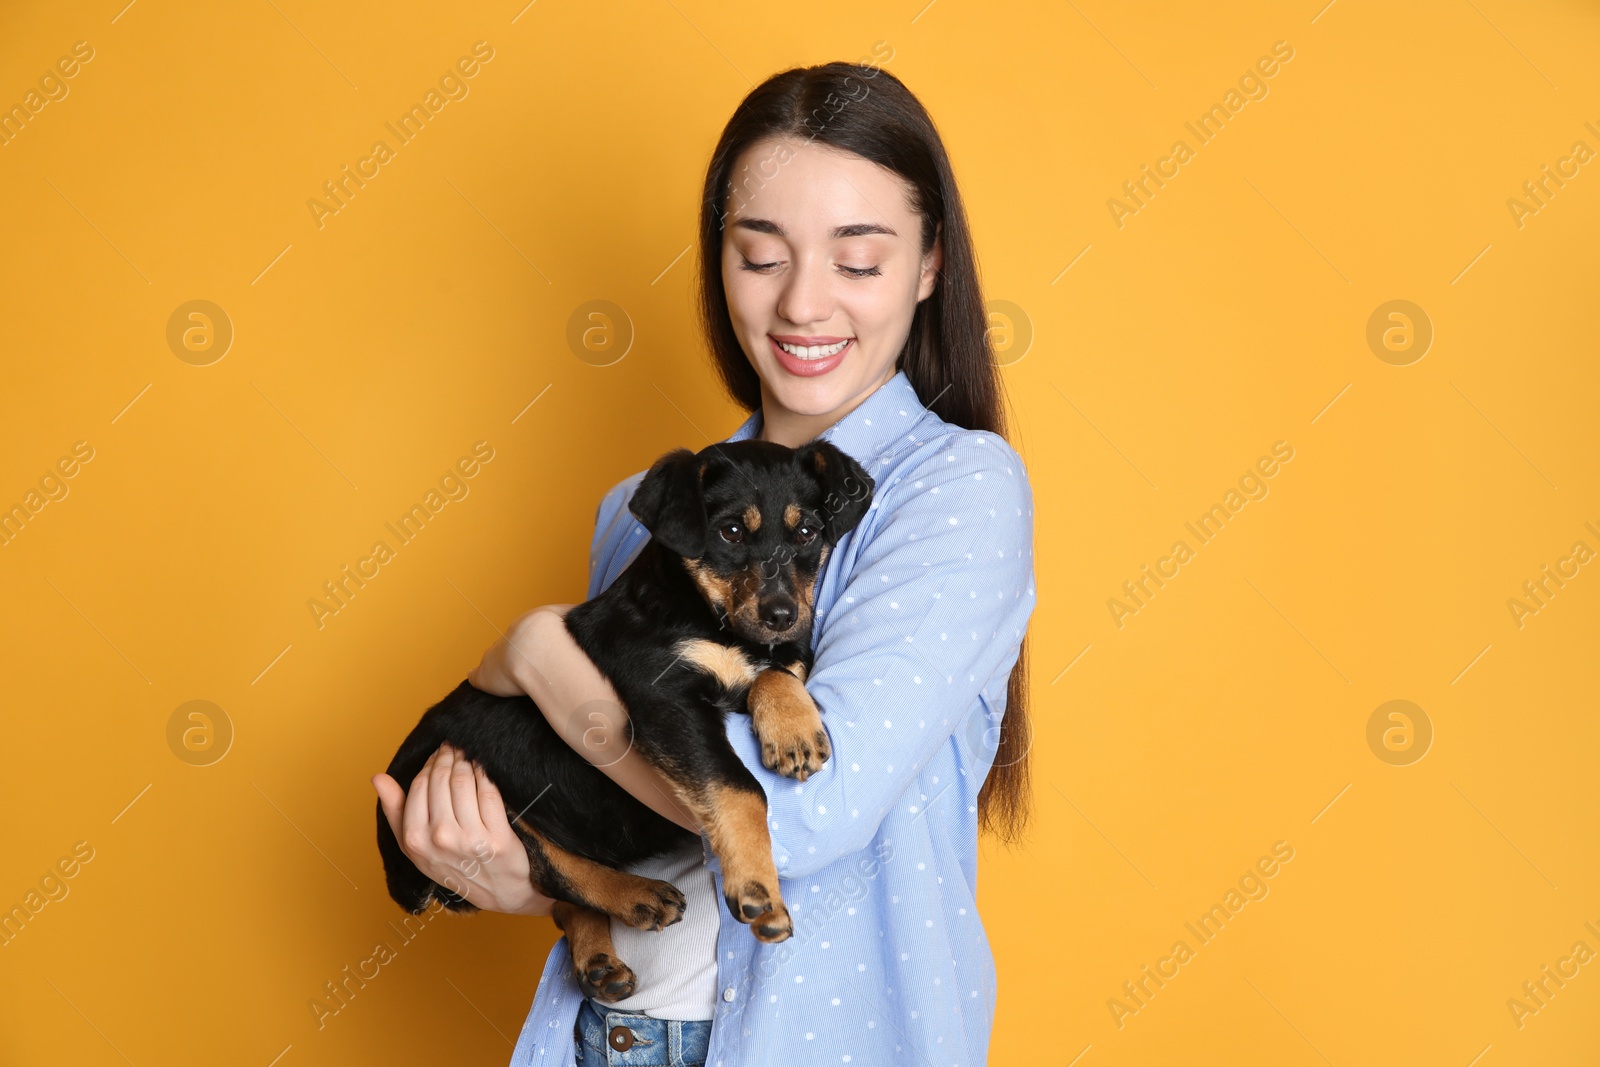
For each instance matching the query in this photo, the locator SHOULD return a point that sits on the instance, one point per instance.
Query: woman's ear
(932, 263)
(846, 487)
(669, 503)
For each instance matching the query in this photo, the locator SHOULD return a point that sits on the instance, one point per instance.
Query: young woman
(839, 292)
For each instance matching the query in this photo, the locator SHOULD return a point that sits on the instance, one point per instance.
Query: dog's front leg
(725, 797)
(788, 723)
(734, 814)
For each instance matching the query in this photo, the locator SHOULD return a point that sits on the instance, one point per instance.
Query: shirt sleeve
(611, 522)
(931, 616)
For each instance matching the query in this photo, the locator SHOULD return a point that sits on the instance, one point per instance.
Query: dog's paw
(762, 911)
(788, 724)
(794, 753)
(604, 977)
(659, 906)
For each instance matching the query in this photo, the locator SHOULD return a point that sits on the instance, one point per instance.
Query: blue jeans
(607, 1038)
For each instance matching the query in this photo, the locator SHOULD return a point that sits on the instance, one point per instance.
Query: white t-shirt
(676, 967)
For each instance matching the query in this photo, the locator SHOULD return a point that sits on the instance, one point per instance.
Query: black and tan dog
(713, 616)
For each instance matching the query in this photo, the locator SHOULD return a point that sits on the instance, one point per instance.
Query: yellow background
(1229, 313)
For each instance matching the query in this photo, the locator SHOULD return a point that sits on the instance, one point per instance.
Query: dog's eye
(805, 534)
(732, 532)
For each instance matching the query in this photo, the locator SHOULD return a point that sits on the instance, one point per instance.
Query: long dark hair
(865, 110)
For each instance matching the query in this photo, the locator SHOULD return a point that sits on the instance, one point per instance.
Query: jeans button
(620, 1038)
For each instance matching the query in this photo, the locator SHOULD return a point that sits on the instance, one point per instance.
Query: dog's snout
(778, 613)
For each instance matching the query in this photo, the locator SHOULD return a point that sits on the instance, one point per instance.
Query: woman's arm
(538, 656)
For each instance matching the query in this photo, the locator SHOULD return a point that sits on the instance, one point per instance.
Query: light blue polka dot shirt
(919, 615)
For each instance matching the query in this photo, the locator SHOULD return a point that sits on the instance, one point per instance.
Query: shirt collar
(878, 427)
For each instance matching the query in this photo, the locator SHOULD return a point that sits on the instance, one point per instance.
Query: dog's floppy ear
(669, 503)
(846, 486)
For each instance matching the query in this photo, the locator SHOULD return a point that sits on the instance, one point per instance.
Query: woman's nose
(805, 298)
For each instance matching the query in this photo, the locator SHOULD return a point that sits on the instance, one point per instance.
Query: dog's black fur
(713, 615)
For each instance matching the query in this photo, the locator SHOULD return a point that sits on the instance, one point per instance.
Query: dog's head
(754, 522)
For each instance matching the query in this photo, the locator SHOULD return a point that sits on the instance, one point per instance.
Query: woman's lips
(809, 368)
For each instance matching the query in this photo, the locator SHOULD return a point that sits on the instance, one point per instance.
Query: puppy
(714, 615)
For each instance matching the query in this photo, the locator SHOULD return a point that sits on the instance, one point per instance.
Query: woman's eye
(805, 534)
(854, 272)
(732, 533)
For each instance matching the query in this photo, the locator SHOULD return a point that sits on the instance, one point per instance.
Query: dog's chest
(733, 667)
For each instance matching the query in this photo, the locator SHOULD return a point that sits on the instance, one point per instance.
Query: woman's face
(821, 253)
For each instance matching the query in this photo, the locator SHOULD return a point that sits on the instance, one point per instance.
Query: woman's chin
(809, 396)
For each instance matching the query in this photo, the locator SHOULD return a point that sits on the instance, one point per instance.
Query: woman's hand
(497, 672)
(453, 826)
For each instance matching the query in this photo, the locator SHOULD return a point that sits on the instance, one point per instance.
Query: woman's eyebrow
(854, 229)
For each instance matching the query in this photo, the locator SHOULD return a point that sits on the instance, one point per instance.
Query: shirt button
(727, 994)
(620, 1038)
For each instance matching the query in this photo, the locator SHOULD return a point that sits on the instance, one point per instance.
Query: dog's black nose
(778, 614)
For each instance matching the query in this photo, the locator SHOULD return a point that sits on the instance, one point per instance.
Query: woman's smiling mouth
(809, 356)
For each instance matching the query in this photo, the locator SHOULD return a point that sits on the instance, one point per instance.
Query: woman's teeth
(813, 351)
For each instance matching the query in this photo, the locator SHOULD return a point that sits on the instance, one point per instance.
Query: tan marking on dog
(788, 724)
(643, 903)
(717, 590)
(727, 665)
(735, 596)
(735, 822)
(752, 518)
(807, 593)
(819, 461)
(806, 590)
(798, 669)
(791, 516)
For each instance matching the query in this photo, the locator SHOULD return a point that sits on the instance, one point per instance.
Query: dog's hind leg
(643, 903)
(600, 974)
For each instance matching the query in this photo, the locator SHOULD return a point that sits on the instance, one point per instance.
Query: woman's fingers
(464, 798)
(510, 857)
(419, 806)
(393, 800)
(440, 812)
(492, 809)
